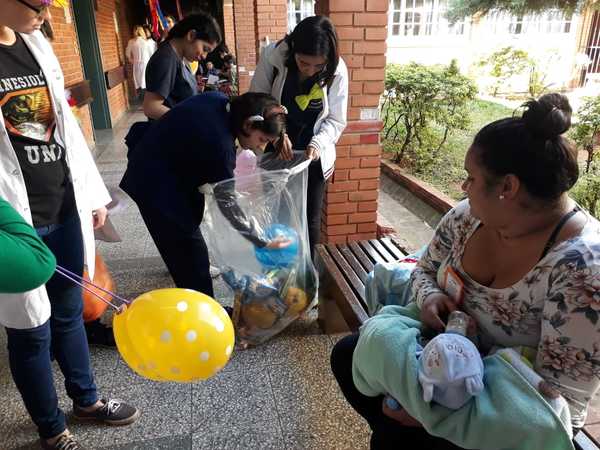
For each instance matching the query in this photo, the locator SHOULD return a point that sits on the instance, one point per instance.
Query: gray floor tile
(263, 438)
(407, 225)
(234, 402)
(305, 325)
(169, 443)
(335, 338)
(312, 411)
(150, 249)
(132, 248)
(298, 350)
(165, 412)
(16, 427)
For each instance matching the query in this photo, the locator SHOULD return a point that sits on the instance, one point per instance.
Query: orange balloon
(93, 307)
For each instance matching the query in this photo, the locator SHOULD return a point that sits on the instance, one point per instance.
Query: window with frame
(422, 18)
(550, 22)
(299, 10)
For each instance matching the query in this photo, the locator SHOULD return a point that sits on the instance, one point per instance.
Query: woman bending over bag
(195, 144)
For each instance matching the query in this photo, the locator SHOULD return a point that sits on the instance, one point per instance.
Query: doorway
(85, 21)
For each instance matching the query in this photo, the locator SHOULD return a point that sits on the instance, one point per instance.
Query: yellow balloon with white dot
(174, 335)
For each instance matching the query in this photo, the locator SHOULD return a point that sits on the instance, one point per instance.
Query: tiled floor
(277, 396)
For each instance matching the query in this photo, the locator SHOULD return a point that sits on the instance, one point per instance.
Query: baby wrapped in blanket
(450, 366)
(451, 370)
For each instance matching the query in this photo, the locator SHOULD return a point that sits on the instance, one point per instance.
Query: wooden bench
(343, 271)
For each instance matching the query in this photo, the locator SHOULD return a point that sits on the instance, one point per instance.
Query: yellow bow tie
(316, 93)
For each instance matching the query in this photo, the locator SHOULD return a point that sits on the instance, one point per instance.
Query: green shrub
(586, 133)
(507, 62)
(422, 106)
(587, 190)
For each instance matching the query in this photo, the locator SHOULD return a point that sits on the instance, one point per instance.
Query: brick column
(228, 29)
(112, 51)
(271, 20)
(350, 208)
(245, 41)
(253, 21)
(66, 48)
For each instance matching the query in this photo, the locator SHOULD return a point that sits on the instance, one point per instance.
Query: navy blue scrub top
(169, 76)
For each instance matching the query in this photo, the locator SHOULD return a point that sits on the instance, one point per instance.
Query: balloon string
(77, 277)
(79, 283)
(87, 289)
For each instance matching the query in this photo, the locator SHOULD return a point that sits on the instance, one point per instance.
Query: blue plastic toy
(279, 257)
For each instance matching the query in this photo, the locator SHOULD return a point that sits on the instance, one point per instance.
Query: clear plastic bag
(272, 287)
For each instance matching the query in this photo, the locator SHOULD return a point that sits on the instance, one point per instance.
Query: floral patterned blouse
(555, 307)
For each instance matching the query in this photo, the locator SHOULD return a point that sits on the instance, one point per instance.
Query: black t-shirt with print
(300, 123)
(29, 119)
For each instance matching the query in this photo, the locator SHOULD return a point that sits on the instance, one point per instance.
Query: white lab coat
(331, 121)
(32, 308)
(138, 54)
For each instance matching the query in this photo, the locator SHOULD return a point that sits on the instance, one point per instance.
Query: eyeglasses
(39, 10)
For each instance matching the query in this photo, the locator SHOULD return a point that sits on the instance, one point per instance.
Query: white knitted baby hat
(450, 370)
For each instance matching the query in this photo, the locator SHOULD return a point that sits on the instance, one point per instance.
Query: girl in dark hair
(305, 73)
(192, 145)
(527, 258)
(169, 79)
(170, 24)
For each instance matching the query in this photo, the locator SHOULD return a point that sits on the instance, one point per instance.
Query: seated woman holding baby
(519, 256)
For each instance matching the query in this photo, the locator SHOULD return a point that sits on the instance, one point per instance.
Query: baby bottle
(458, 322)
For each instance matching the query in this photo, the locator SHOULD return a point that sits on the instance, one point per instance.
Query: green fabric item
(508, 415)
(25, 261)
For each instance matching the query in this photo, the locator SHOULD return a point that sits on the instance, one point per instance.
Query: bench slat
(371, 252)
(388, 256)
(355, 282)
(391, 246)
(350, 307)
(361, 256)
(354, 262)
(584, 442)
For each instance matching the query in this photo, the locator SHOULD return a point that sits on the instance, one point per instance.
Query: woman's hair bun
(549, 116)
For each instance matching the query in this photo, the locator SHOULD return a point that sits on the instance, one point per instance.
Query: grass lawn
(447, 173)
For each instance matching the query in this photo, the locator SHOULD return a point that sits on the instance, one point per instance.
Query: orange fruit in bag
(296, 301)
(258, 315)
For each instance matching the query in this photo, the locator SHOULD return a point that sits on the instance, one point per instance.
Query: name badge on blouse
(453, 285)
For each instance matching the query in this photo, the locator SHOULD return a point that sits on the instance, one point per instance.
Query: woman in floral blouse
(519, 256)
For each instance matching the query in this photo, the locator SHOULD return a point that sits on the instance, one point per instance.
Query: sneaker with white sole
(65, 442)
(112, 412)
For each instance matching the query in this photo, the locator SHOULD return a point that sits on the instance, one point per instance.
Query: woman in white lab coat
(48, 176)
(138, 56)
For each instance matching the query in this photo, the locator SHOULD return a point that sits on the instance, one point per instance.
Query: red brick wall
(350, 208)
(125, 33)
(245, 41)
(228, 29)
(66, 47)
(254, 20)
(271, 20)
(112, 53)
